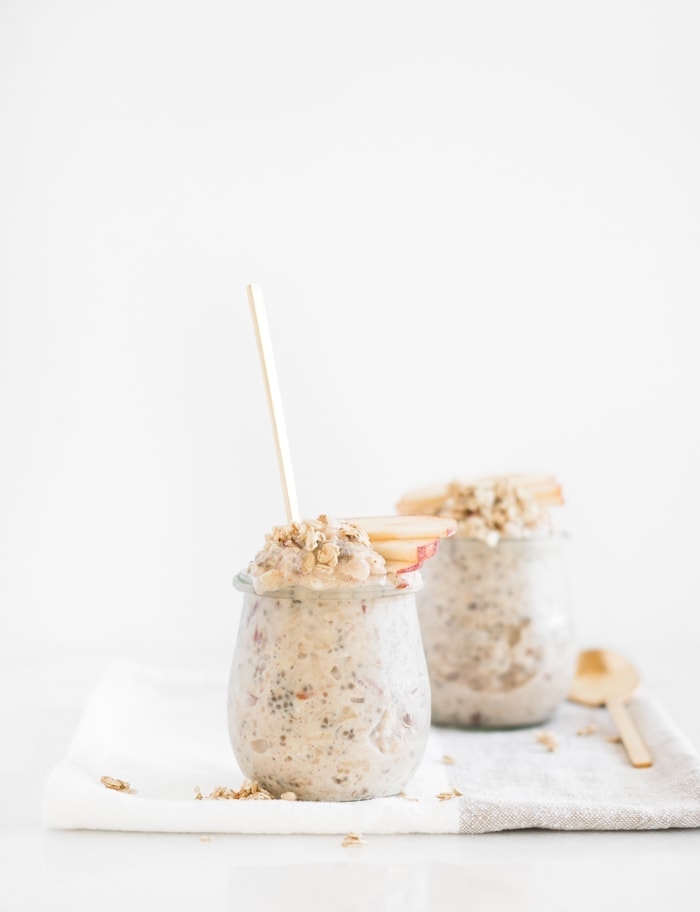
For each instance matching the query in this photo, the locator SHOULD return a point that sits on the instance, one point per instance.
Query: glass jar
(497, 630)
(329, 695)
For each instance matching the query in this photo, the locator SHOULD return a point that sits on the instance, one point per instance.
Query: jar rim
(243, 583)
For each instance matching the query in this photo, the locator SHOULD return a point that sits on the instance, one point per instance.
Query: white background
(476, 226)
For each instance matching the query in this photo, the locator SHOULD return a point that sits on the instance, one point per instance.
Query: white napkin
(165, 733)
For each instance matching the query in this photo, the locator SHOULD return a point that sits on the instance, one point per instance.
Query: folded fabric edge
(483, 817)
(73, 802)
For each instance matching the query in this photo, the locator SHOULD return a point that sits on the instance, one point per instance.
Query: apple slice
(545, 489)
(411, 527)
(426, 500)
(406, 549)
(402, 566)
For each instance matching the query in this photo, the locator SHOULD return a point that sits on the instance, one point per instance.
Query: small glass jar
(497, 630)
(329, 695)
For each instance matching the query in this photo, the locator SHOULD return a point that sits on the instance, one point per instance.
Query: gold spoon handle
(635, 747)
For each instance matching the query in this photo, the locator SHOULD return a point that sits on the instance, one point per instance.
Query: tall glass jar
(329, 695)
(497, 630)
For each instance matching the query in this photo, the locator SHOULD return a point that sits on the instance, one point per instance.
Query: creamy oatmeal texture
(329, 695)
(494, 611)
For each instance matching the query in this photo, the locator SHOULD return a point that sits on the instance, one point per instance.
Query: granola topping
(317, 554)
(495, 508)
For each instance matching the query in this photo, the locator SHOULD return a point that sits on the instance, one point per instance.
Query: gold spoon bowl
(605, 678)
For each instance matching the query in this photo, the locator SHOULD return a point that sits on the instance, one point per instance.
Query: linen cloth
(165, 732)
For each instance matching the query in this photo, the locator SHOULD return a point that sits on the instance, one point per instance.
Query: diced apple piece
(392, 528)
(406, 549)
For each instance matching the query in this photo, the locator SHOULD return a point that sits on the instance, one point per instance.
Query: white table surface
(42, 701)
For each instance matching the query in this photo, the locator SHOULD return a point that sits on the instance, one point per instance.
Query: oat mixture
(494, 610)
(317, 554)
(497, 632)
(329, 695)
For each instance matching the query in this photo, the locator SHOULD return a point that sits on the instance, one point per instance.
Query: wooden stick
(629, 735)
(274, 400)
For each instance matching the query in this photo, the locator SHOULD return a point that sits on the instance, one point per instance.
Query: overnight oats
(494, 610)
(329, 695)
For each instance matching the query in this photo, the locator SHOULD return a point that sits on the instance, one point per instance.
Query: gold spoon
(606, 678)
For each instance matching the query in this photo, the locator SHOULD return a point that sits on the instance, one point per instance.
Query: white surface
(41, 704)
(494, 206)
(164, 732)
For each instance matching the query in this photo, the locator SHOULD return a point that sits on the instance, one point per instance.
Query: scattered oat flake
(353, 839)
(205, 838)
(615, 739)
(288, 796)
(547, 739)
(587, 730)
(117, 785)
(447, 759)
(249, 791)
(446, 796)
(198, 793)
(406, 797)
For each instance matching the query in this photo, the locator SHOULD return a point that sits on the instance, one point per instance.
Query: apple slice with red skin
(406, 549)
(402, 566)
(405, 527)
